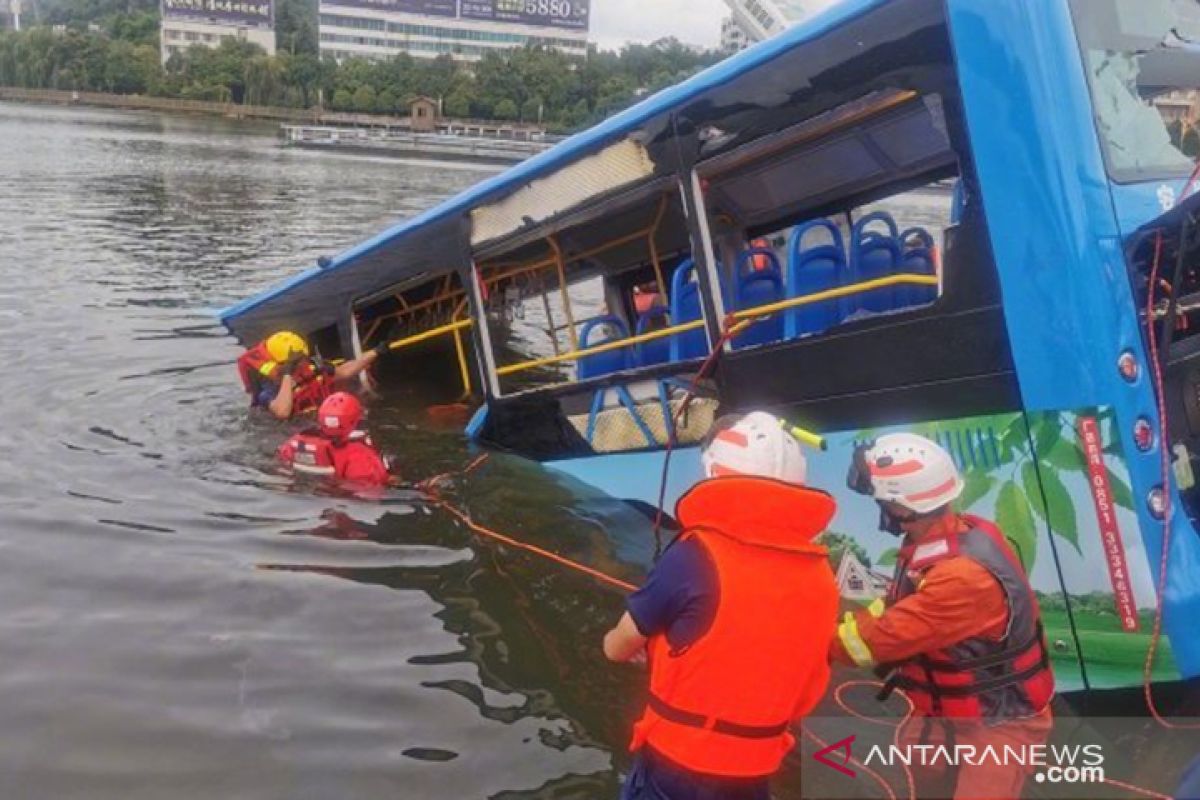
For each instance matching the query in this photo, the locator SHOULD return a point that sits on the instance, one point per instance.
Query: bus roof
(371, 266)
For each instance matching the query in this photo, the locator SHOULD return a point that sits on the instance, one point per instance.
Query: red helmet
(339, 415)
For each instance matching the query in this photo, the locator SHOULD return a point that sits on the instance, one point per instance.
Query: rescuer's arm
(283, 404)
(957, 599)
(352, 369)
(624, 642)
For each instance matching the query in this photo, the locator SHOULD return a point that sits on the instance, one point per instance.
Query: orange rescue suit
(723, 706)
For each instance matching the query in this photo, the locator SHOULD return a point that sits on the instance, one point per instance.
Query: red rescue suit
(1006, 679)
(313, 384)
(724, 705)
(354, 460)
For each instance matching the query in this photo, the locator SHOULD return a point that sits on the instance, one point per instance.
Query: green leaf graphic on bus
(1022, 464)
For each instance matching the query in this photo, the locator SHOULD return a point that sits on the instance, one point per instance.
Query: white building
(762, 19)
(856, 582)
(464, 29)
(208, 22)
(10, 15)
(733, 36)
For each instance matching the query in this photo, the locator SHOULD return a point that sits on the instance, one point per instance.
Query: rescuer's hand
(289, 366)
(382, 349)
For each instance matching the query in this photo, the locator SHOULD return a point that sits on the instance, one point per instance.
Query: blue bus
(973, 220)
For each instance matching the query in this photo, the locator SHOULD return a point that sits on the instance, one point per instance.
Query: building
(856, 582)
(10, 15)
(209, 22)
(423, 115)
(733, 36)
(762, 19)
(464, 29)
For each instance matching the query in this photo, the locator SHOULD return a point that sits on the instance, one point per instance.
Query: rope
(1165, 463)
(732, 329)
(483, 530)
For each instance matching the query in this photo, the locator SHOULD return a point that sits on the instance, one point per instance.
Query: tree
(1191, 142)
(343, 100)
(387, 102)
(506, 109)
(364, 100)
(839, 543)
(458, 104)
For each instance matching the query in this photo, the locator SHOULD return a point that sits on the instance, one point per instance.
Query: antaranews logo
(828, 756)
(1048, 763)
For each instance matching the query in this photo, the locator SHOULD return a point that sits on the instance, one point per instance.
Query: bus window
(1142, 59)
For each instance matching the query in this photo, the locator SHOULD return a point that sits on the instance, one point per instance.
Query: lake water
(178, 620)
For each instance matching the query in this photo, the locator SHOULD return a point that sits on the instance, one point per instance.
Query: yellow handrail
(911, 279)
(432, 333)
(748, 314)
(463, 365)
(601, 348)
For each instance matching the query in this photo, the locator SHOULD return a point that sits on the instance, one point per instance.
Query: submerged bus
(971, 220)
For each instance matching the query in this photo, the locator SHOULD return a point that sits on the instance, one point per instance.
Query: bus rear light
(1127, 365)
(1156, 502)
(1143, 434)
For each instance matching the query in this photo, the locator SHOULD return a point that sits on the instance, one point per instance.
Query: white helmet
(755, 445)
(908, 470)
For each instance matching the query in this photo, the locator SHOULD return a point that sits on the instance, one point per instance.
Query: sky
(615, 22)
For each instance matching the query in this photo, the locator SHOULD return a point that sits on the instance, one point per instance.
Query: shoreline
(137, 102)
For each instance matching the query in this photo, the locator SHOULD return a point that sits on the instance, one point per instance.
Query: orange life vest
(255, 367)
(723, 706)
(979, 677)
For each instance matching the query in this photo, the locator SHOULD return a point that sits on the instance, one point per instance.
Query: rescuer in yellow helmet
(280, 374)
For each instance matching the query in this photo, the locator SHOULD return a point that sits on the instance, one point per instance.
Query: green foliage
(1057, 509)
(296, 27)
(889, 556)
(839, 543)
(1014, 515)
(522, 84)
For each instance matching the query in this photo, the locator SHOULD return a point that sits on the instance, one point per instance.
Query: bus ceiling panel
(909, 51)
(789, 181)
(886, 150)
(641, 201)
(322, 297)
(617, 166)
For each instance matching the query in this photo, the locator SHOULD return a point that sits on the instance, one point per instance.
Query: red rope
(1165, 462)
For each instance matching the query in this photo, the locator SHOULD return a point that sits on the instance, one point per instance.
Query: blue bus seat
(685, 307)
(812, 269)
(759, 287)
(874, 254)
(658, 351)
(917, 257)
(603, 363)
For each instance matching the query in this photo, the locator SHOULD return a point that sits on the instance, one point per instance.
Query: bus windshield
(1143, 65)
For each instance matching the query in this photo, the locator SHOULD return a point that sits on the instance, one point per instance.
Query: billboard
(570, 14)
(432, 8)
(240, 12)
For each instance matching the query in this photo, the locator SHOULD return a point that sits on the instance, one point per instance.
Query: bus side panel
(1073, 482)
(1068, 304)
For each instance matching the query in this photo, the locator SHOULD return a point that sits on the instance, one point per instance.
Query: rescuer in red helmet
(736, 620)
(336, 448)
(282, 376)
(960, 631)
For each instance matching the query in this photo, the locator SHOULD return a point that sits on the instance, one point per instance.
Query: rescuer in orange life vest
(736, 620)
(281, 376)
(960, 631)
(336, 448)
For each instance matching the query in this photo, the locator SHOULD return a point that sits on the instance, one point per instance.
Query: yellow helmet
(284, 345)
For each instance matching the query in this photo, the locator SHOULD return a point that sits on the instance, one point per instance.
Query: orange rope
(531, 548)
